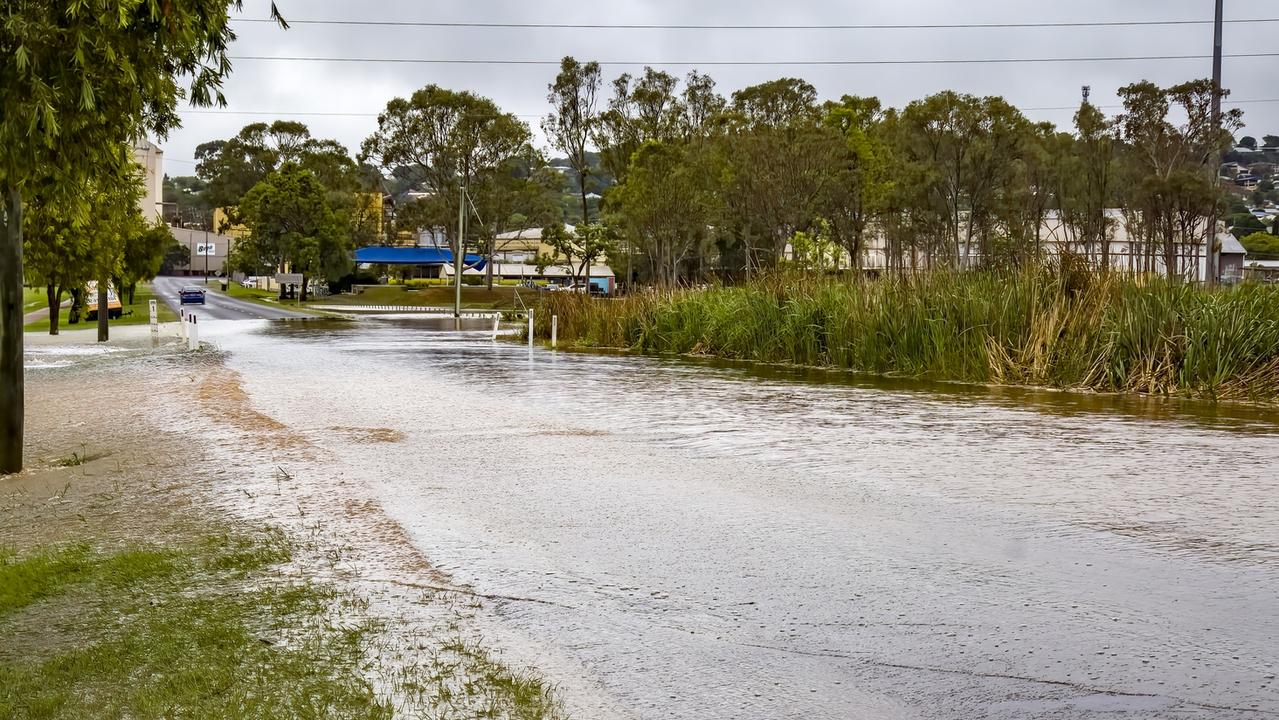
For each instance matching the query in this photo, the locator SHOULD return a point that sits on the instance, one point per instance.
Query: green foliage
(580, 248)
(293, 223)
(176, 255)
(188, 199)
(144, 255)
(1029, 327)
(230, 168)
(1261, 246)
(65, 249)
(1244, 224)
(445, 139)
(667, 205)
(574, 118)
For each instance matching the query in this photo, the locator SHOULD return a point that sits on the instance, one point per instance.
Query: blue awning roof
(414, 256)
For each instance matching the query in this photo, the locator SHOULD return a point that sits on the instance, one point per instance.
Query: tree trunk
(11, 389)
(104, 332)
(488, 269)
(53, 294)
(302, 290)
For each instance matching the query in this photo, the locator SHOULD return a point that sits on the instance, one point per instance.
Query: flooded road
(669, 539)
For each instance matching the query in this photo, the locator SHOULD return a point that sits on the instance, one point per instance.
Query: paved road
(216, 305)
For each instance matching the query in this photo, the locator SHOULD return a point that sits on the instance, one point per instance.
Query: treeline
(103, 237)
(709, 184)
(713, 186)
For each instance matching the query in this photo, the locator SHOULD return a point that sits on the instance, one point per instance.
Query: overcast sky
(1043, 91)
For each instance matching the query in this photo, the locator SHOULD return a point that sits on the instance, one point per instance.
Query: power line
(636, 26)
(775, 63)
(289, 113)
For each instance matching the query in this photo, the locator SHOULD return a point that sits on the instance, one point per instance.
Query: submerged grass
(160, 632)
(1033, 327)
(214, 627)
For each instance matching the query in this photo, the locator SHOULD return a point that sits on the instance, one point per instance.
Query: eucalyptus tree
(776, 155)
(668, 204)
(1091, 187)
(79, 80)
(641, 110)
(1171, 170)
(294, 223)
(446, 140)
(574, 119)
(230, 168)
(861, 169)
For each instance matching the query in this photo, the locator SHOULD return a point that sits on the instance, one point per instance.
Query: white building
(150, 158)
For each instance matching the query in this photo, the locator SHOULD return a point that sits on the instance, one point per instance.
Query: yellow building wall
(220, 219)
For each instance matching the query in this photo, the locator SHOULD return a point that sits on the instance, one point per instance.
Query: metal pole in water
(555, 330)
(530, 328)
(458, 250)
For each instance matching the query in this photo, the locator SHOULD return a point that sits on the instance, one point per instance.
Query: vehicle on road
(191, 294)
(114, 308)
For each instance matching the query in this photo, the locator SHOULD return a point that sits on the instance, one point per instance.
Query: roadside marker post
(155, 317)
(182, 322)
(530, 328)
(193, 336)
(497, 318)
(555, 330)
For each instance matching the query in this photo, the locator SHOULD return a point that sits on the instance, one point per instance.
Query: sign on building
(206, 248)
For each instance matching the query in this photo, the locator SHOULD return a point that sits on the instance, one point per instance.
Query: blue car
(190, 295)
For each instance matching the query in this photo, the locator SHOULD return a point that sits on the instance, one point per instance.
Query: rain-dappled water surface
(676, 539)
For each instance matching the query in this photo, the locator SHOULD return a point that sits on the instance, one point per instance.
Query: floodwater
(693, 540)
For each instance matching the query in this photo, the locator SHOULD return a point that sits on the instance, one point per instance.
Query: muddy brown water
(670, 539)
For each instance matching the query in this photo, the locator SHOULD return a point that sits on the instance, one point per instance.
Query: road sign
(206, 249)
(289, 278)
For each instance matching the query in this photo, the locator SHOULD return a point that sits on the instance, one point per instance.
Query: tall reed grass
(1032, 327)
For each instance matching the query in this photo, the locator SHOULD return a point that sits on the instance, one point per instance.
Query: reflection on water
(718, 540)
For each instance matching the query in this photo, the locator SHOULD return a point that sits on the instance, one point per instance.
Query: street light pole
(206, 257)
(458, 249)
(1211, 261)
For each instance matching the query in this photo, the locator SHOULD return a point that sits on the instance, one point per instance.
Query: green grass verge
(161, 632)
(33, 299)
(213, 628)
(474, 297)
(138, 313)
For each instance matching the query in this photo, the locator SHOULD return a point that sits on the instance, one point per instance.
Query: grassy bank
(203, 629)
(136, 313)
(474, 297)
(1106, 333)
(212, 628)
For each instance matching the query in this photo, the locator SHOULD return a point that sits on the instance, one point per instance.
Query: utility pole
(206, 257)
(104, 312)
(1211, 259)
(11, 334)
(458, 248)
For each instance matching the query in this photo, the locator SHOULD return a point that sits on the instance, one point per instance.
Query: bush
(1261, 246)
(1106, 332)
